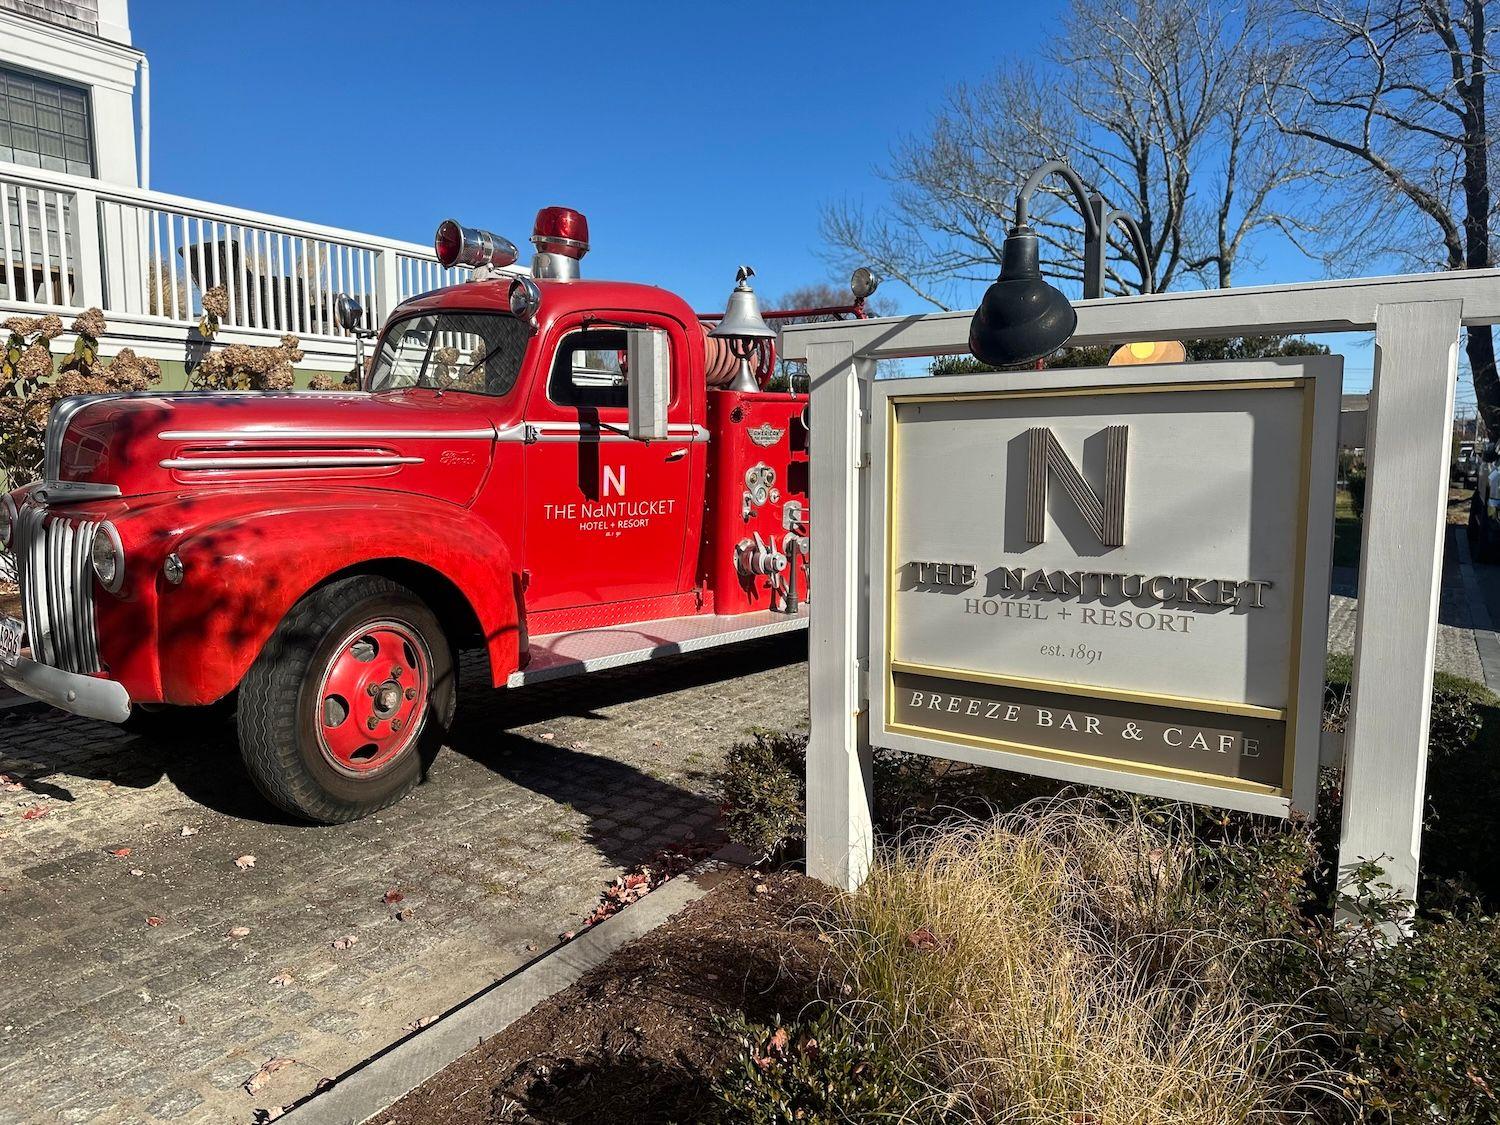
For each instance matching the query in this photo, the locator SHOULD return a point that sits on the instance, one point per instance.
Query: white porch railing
(146, 258)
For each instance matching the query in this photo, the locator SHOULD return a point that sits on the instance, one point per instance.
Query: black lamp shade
(1021, 318)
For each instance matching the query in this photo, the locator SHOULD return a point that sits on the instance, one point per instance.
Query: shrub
(247, 367)
(763, 788)
(822, 1069)
(1422, 1020)
(1355, 483)
(31, 382)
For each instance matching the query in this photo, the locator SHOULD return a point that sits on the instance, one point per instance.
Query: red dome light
(561, 230)
(457, 245)
(448, 242)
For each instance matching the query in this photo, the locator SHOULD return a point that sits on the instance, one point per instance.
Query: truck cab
(568, 474)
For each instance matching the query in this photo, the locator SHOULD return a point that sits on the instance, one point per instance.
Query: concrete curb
(382, 1080)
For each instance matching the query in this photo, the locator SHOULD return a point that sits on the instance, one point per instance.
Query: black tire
(1482, 540)
(279, 708)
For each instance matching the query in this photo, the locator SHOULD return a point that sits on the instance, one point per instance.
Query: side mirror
(349, 313)
(648, 379)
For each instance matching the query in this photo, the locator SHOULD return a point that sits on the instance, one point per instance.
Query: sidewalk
(1467, 645)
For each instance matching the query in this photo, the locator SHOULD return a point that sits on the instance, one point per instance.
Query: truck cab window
(589, 369)
(477, 353)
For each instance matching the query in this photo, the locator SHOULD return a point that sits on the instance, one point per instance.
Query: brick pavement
(1456, 651)
(104, 1017)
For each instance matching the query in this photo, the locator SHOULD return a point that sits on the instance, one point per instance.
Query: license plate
(11, 634)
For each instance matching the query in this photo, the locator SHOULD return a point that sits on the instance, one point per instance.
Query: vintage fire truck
(568, 474)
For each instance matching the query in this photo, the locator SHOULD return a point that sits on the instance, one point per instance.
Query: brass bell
(743, 327)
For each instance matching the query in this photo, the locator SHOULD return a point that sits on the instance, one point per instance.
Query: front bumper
(89, 696)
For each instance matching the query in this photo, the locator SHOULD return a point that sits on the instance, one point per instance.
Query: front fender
(243, 574)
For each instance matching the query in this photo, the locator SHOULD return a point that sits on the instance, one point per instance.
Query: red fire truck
(569, 474)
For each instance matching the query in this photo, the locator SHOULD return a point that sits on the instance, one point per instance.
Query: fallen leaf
(392, 896)
(922, 938)
(567, 935)
(826, 939)
(35, 812)
(531, 947)
(120, 853)
(548, 736)
(778, 1041)
(137, 872)
(762, 889)
(10, 784)
(245, 861)
(348, 941)
(153, 920)
(239, 932)
(405, 913)
(263, 1075)
(282, 979)
(418, 1024)
(188, 831)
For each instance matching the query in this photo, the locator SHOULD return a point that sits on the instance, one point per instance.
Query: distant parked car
(1465, 469)
(1484, 507)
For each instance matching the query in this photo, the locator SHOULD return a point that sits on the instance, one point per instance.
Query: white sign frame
(1319, 378)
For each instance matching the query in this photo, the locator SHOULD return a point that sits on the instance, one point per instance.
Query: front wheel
(354, 690)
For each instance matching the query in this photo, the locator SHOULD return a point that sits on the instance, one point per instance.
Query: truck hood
(145, 443)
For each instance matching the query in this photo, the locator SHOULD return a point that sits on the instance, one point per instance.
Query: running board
(555, 655)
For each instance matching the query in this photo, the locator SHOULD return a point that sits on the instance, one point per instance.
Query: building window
(45, 124)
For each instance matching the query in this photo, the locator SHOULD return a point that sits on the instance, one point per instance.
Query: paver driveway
(542, 796)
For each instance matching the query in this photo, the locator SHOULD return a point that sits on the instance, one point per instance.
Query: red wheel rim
(372, 698)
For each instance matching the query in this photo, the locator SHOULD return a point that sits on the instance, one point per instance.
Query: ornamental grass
(1056, 965)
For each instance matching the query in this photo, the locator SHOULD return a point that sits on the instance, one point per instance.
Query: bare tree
(1396, 91)
(1159, 107)
(791, 375)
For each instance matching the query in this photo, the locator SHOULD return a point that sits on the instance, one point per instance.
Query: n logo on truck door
(614, 480)
(1105, 514)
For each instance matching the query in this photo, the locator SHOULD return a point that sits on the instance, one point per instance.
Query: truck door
(606, 517)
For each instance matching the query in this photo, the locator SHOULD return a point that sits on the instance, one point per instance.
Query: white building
(79, 225)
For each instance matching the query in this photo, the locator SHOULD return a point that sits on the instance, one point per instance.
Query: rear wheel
(352, 693)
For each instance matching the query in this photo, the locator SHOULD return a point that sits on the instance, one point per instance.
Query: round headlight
(108, 557)
(7, 522)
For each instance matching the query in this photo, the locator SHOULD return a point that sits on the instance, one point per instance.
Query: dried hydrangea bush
(245, 367)
(30, 383)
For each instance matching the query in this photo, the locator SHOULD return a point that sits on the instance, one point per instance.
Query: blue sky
(695, 137)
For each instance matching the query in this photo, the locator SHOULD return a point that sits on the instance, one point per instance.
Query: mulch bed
(637, 1040)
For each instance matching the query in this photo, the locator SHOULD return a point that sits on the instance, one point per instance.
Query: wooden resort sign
(1115, 576)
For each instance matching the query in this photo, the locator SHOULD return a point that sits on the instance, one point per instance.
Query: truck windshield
(478, 353)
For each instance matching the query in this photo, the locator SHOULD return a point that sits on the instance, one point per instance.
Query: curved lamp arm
(1148, 284)
(1080, 195)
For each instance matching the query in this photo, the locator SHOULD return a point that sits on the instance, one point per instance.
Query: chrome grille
(57, 589)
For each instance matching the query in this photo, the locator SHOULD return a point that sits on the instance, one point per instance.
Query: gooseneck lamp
(1022, 317)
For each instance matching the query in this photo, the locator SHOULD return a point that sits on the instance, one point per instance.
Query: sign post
(1416, 319)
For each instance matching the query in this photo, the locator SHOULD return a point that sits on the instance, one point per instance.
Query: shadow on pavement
(40, 749)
